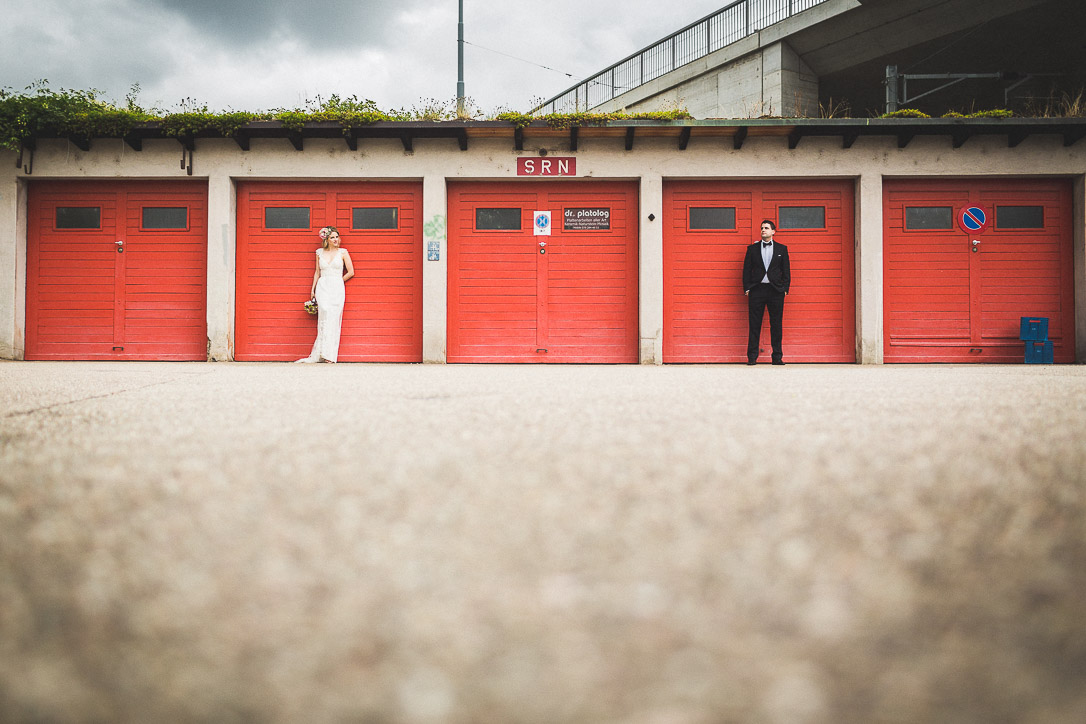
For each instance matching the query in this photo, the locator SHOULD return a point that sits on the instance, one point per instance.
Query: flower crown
(326, 232)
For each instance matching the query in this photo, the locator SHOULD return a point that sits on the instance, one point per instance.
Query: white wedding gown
(330, 297)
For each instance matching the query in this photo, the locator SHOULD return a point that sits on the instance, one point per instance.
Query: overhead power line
(522, 60)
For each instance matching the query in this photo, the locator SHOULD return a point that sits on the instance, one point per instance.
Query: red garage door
(955, 293)
(707, 228)
(519, 297)
(116, 271)
(380, 224)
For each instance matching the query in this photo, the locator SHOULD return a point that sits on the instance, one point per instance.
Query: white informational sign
(542, 223)
(587, 220)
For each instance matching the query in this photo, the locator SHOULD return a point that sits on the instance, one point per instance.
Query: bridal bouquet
(311, 306)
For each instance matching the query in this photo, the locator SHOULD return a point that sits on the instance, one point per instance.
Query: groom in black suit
(766, 278)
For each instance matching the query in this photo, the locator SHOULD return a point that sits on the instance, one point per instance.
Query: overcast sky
(268, 54)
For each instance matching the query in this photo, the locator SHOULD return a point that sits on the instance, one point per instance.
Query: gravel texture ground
(542, 544)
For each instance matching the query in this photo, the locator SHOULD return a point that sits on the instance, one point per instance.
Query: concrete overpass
(834, 55)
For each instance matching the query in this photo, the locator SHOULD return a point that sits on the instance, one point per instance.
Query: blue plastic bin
(1039, 353)
(1034, 329)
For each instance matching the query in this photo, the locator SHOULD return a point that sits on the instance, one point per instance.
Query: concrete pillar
(772, 81)
(435, 278)
(739, 89)
(651, 262)
(869, 275)
(221, 266)
(1078, 216)
(13, 263)
(788, 84)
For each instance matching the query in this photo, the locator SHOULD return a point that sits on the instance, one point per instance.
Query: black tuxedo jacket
(780, 273)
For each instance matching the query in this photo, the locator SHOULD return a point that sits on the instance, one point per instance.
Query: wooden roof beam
(1016, 137)
(684, 137)
(739, 137)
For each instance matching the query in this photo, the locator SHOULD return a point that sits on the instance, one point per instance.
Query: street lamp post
(460, 64)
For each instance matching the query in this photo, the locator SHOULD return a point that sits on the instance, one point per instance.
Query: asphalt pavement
(233, 542)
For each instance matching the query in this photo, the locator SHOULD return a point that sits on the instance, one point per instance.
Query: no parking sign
(541, 222)
(973, 220)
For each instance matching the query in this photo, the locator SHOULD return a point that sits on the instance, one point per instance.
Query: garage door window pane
(1020, 217)
(374, 219)
(712, 217)
(497, 219)
(276, 217)
(919, 218)
(79, 217)
(802, 217)
(165, 217)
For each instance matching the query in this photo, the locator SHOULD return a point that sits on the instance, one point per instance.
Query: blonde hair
(325, 233)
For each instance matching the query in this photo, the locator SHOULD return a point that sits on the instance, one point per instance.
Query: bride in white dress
(329, 292)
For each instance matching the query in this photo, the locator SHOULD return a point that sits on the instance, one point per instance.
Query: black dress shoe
(778, 362)
(751, 363)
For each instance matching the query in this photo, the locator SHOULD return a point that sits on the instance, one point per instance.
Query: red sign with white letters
(555, 166)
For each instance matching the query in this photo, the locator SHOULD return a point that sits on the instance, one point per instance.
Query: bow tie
(766, 243)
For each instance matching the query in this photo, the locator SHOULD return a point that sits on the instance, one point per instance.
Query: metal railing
(724, 27)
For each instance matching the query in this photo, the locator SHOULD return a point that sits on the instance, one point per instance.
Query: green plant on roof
(905, 113)
(570, 120)
(39, 111)
(991, 113)
(76, 113)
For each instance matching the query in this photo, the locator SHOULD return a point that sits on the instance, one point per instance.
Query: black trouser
(760, 297)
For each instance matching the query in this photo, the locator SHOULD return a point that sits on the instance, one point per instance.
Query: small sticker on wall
(433, 251)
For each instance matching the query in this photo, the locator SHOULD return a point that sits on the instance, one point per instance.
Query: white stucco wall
(434, 273)
(869, 274)
(221, 256)
(12, 267)
(435, 161)
(651, 262)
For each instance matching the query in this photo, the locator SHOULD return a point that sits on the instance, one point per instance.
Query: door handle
(120, 246)
(976, 243)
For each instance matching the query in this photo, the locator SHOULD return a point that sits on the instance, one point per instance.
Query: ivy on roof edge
(84, 114)
(568, 120)
(914, 113)
(39, 110)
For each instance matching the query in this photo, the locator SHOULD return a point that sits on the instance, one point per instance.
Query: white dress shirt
(767, 256)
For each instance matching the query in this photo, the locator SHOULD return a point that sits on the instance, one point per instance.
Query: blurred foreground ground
(634, 545)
